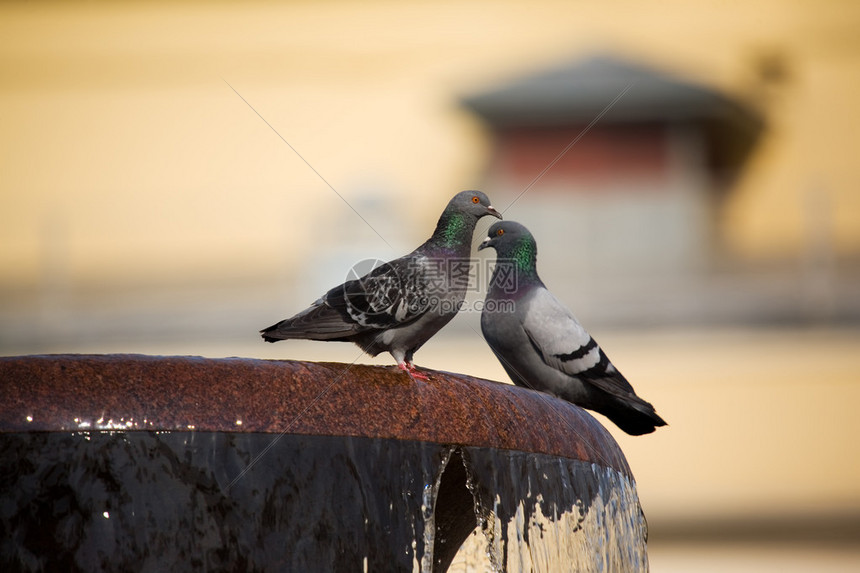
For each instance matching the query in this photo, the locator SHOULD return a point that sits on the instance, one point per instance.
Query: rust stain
(169, 393)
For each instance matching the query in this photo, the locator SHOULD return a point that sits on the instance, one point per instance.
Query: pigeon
(540, 343)
(399, 305)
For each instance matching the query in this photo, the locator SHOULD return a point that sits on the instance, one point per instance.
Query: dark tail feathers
(634, 416)
(265, 333)
(317, 322)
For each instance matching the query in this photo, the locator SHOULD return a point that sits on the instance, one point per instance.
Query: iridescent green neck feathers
(524, 254)
(454, 230)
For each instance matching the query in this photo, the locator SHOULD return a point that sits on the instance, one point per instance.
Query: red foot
(413, 371)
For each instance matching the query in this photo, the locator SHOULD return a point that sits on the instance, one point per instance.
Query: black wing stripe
(579, 352)
(598, 370)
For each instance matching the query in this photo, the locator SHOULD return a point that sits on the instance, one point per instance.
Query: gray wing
(565, 345)
(392, 294)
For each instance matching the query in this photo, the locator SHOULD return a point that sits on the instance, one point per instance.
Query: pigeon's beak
(486, 242)
(493, 212)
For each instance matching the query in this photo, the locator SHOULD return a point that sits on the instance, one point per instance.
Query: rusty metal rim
(174, 393)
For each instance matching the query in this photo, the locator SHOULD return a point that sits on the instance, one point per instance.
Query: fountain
(129, 462)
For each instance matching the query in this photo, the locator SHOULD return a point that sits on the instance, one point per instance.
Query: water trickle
(540, 513)
(113, 500)
(428, 507)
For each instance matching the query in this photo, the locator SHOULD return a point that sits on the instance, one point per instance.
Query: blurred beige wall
(125, 156)
(127, 163)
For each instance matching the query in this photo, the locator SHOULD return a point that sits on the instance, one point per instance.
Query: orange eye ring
(476, 199)
(500, 232)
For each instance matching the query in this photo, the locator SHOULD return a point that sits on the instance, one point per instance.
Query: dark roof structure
(576, 93)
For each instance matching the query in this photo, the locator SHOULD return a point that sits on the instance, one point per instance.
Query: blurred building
(622, 172)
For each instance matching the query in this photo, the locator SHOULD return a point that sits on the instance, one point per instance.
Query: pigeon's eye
(500, 232)
(476, 200)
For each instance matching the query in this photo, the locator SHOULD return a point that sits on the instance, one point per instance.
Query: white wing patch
(562, 342)
(582, 359)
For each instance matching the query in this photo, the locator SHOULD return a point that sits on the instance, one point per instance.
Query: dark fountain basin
(144, 463)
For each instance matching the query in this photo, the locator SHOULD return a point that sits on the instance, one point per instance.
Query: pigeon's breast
(413, 335)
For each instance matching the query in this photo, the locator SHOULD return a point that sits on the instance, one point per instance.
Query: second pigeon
(540, 343)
